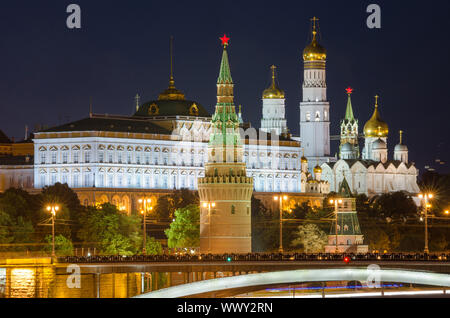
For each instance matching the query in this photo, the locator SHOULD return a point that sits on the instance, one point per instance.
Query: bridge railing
(258, 257)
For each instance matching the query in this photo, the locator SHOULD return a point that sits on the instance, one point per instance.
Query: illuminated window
(317, 116)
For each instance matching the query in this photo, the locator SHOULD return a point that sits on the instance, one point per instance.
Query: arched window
(308, 116)
(317, 116)
(233, 209)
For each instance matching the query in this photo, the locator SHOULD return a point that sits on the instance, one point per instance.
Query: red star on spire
(224, 40)
(349, 90)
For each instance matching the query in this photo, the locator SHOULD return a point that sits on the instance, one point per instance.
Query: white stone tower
(273, 118)
(315, 109)
(225, 191)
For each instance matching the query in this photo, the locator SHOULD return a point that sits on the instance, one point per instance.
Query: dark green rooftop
(111, 124)
(161, 108)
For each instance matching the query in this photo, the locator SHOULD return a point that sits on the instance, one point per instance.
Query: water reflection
(47, 282)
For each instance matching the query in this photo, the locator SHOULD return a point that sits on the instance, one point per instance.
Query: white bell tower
(315, 109)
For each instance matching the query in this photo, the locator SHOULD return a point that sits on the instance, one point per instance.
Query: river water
(45, 282)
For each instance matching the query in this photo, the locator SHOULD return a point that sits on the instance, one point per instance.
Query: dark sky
(48, 72)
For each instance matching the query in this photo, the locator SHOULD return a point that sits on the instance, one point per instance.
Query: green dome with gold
(171, 102)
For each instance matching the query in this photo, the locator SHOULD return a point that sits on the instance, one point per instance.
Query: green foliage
(185, 230)
(310, 238)
(377, 239)
(63, 245)
(167, 205)
(265, 231)
(5, 224)
(395, 206)
(116, 232)
(153, 247)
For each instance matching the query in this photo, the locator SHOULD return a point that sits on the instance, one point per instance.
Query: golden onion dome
(273, 92)
(314, 51)
(376, 127)
(317, 169)
(304, 159)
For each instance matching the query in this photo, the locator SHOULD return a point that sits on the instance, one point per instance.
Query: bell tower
(315, 108)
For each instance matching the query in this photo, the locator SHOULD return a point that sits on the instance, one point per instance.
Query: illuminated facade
(372, 173)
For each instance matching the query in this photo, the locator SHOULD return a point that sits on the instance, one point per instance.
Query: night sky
(48, 72)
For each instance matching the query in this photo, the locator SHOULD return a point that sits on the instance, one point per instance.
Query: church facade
(370, 172)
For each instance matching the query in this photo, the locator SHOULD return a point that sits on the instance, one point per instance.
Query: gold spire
(273, 92)
(171, 93)
(376, 127)
(314, 51)
(401, 137)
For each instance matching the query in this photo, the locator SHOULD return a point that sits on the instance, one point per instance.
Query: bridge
(206, 275)
(254, 263)
(231, 286)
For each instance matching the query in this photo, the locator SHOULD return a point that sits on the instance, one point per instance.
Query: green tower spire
(225, 73)
(349, 112)
(225, 121)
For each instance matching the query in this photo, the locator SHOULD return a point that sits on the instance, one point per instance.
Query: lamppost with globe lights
(53, 208)
(280, 199)
(145, 208)
(209, 205)
(336, 202)
(425, 197)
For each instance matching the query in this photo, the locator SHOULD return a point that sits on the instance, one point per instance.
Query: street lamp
(281, 199)
(145, 207)
(53, 209)
(336, 202)
(425, 198)
(209, 205)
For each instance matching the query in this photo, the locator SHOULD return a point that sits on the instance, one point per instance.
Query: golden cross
(314, 19)
(273, 67)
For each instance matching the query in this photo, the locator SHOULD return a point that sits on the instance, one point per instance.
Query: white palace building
(163, 147)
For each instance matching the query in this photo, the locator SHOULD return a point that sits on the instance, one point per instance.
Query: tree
(397, 206)
(63, 245)
(310, 238)
(117, 233)
(168, 204)
(153, 247)
(16, 214)
(377, 239)
(265, 231)
(185, 230)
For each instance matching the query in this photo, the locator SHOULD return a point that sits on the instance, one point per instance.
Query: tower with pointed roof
(349, 147)
(225, 191)
(376, 132)
(315, 108)
(273, 119)
(349, 236)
